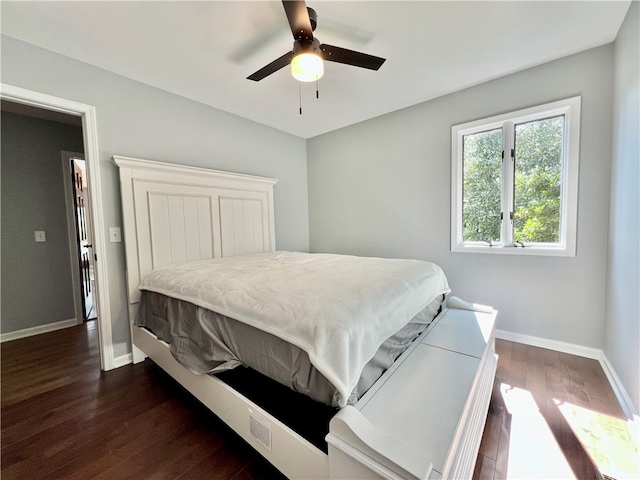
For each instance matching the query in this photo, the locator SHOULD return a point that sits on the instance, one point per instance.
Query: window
(515, 181)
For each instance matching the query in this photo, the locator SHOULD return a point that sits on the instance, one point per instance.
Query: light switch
(40, 236)
(115, 235)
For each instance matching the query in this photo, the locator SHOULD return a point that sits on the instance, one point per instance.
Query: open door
(83, 234)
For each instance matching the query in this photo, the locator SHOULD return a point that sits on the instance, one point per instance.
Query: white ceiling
(195, 49)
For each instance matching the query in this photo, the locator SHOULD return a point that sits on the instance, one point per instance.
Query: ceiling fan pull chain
(317, 94)
(300, 96)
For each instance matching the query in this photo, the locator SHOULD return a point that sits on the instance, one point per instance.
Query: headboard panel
(180, 223)
(176, 214)
(188, 219)
(243, 224)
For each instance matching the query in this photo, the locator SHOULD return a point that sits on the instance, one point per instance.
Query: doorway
(100, 286)
(80, 188)
(76, 189)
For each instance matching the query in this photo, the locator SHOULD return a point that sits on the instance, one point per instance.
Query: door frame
(91, 154)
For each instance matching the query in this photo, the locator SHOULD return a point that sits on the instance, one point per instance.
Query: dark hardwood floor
(553, 415)
(61, 417)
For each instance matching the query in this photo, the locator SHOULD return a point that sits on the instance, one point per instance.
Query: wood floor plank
(517, 374)
(259, 469)
(555, 382)
(491, 437)
(121, 470)
(519, 352)
(225, 463)
(561, 431)
(536, 381)
(138, 437)
(551, 358)
(504, 444)
(200, 444)
(503, 350)
(90, 411)
(31, 446)
(97, 467)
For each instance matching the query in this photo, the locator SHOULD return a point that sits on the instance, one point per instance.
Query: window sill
(502, 250)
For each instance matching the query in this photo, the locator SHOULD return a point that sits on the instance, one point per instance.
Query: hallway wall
(36, 277)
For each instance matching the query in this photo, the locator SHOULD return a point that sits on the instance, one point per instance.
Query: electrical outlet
(115, 235)
(40, 236)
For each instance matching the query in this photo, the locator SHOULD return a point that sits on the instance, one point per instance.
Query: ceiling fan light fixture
(307, 67)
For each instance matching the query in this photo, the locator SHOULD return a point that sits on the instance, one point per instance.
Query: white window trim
(566, 247)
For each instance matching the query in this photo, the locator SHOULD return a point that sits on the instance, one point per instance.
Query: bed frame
(422, 419)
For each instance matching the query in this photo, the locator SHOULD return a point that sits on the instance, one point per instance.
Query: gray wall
(382, 187)
(622, 316)
(136, 120)
(36, 277)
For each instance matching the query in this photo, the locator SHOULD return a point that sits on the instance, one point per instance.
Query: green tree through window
(538, 175)
(482, 185)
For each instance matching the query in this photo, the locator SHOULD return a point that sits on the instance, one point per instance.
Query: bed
(190, 223)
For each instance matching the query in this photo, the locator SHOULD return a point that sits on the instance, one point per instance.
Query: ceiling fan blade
(255, 45)
(298, 17)
(274, 66)
(349, 57)
(350, 33)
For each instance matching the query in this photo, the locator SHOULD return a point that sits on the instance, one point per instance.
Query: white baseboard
(587, 352)
(29, 332)
(621, 394)
(556, 345)
(122, 360)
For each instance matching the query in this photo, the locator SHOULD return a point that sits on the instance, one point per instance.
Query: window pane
(482, 168)
(537, 185)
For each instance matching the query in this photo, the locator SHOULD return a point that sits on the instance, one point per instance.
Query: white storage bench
(425, 419)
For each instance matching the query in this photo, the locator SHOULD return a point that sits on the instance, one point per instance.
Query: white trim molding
(616, 384)
(122, 360)
(556, 345)
(594, 353)
(170, 168)
(91, 152)
(30, 332)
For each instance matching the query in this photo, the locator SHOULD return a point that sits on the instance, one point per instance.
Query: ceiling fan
(308, 53)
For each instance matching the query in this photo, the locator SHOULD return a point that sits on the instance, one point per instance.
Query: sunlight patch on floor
(533, 450)
(607, 440)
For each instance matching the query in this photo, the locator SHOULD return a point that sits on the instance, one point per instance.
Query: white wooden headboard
(175, 214)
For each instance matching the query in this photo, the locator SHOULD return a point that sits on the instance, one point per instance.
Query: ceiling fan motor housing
(307, 46)
(313, 18)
